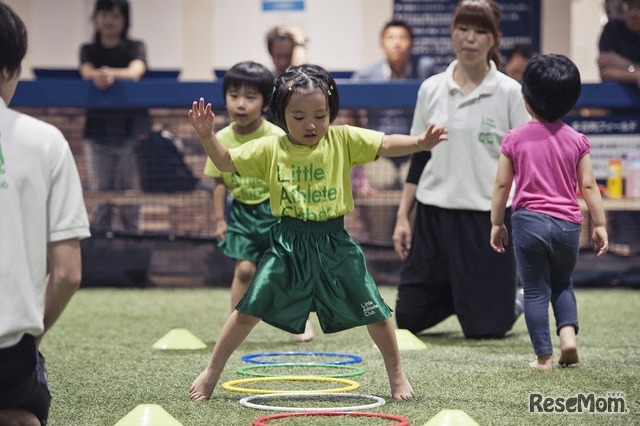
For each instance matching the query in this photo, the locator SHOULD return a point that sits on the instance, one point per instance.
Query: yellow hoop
(230, 385)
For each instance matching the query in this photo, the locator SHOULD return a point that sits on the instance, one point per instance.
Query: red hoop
(402, 421)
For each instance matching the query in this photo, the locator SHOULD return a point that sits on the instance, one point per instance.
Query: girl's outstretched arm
(202, 119)
(398, 145)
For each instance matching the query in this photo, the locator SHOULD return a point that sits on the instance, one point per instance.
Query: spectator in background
(287, 46)
(619, 46)
(517, 59)
(450, 269)
(396, 41)
(43, 218)
(613, 8)
(112, 135)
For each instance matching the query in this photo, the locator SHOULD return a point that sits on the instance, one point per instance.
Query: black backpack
(162, 166)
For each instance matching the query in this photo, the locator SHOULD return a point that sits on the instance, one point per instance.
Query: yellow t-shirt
(309, 183)
(247, 190)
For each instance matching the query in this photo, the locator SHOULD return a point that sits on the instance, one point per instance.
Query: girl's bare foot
(400, 387)
(202, 387)
(568, 346)
(543, 363)
(384, 336)
(308, 333)
(568, 357)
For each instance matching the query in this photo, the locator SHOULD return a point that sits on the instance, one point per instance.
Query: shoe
(519, 304)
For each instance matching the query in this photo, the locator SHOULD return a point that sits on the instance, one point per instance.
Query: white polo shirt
(462, 170)
(40, 201)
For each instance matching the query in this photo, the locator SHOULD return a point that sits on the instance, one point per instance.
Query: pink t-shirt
(545, 158)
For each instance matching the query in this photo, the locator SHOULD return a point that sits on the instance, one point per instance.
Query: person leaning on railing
(619, 46)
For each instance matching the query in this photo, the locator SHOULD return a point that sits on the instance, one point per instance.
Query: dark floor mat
(609, 270)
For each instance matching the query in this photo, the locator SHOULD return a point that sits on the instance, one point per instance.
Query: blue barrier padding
(168, 93)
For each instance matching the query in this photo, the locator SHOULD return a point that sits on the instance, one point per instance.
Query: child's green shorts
(313, 266)
(248, 235)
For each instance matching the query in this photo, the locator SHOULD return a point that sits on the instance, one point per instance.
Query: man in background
(287, 46)
(517, 59)
(396, 42)
(619, 46)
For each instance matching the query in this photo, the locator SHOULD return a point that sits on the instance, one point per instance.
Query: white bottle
(632, 189)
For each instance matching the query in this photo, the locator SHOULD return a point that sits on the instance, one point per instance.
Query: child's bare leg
(568, 346)
(18, 416)
(308, 332)
(242, 276)
(235, 330)
(543, 363)
(384, 336)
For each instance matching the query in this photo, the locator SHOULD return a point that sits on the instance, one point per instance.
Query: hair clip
(290, 88)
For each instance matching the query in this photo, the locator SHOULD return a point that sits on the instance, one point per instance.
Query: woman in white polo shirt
(450, 268)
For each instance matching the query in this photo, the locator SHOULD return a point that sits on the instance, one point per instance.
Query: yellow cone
(407, 341)
(179, 338)
(148, 415)
(451, 418)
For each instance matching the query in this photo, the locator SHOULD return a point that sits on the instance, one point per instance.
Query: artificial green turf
(102, 365)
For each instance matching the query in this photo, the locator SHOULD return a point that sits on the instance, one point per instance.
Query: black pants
(23, 383)
(452, 270)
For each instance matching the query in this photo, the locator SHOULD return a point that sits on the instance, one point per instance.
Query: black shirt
(114, 126)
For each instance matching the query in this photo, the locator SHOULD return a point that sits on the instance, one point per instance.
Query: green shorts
(247, 235)
(314, 266)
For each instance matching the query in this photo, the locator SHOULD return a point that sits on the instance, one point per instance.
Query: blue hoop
(351, 359)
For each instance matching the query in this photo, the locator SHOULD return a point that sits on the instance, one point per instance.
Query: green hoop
(350, 371)
(231, 385)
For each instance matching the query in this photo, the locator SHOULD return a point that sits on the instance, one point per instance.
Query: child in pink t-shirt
(548, 161)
